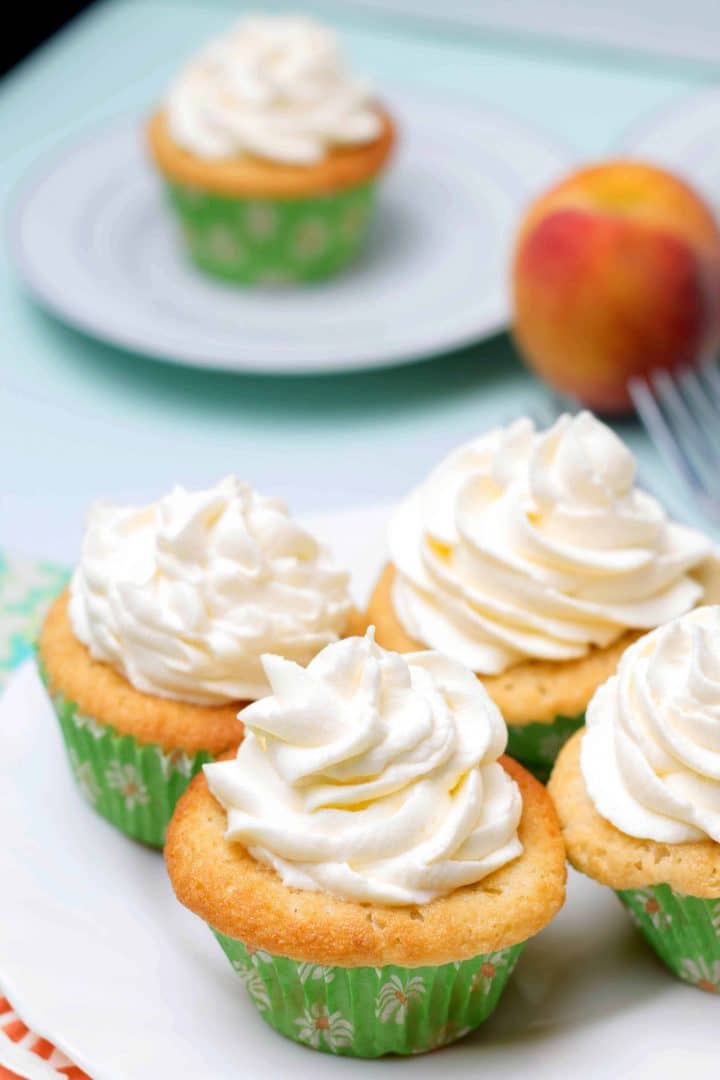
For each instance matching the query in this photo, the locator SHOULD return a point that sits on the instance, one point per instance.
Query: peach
(616, 271)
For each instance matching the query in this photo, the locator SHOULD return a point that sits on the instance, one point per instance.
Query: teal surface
(80, 419)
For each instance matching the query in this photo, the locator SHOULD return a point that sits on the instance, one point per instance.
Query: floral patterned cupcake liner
(272, 241)
(537, 745)
(683, 930)
(367, 1012)
(134, 785)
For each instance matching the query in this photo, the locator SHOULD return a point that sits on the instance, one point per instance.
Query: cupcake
(155, 648)
(638, 792)
(270, 149)
(367, 861)
(532, 558)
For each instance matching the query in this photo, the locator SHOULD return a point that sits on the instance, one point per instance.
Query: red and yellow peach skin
(616, 271)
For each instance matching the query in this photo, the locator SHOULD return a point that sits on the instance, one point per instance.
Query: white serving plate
(93, 240)
(97, 955)
(684, 137)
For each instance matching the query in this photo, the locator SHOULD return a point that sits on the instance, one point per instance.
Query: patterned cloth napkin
(26, 589)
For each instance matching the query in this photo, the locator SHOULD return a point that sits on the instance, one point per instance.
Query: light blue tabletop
(80, 419)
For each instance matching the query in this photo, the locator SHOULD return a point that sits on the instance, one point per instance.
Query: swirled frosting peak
(274, 87)
(537, 545)
(650, 756)
(184, 596)
(372, 776)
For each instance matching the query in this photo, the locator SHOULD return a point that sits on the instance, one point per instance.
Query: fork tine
(711, 375)
(705, 392)
(711, 379)
(660, 432)
(671, 443)
(702, 399)
(690, 433)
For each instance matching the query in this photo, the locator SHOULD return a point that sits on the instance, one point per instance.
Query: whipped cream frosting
(650, 756)
(184, 596)
(275, 88)
(372, 776)
(537, 545)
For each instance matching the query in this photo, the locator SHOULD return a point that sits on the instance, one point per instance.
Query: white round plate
(684, 137)
(94, 241)
(96, 954)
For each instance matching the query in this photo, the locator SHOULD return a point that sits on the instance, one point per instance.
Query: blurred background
(82, 418)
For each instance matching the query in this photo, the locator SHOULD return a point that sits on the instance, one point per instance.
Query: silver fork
(681, 414)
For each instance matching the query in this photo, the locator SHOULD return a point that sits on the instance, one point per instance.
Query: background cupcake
(156, 646)
(532, 558)
(270, 149)
(376, 869)
(638, 792)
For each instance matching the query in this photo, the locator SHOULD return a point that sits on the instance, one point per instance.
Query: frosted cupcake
(532, 558)
(638, 792)
(367, 861)
(156, 647)
(270, 149)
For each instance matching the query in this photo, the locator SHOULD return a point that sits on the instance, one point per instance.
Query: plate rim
(467, 331)
(634, 135)
(28, 672)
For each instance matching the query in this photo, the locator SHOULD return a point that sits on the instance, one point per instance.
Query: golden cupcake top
(372, 776)
(538, 545)
(183, 597)
(614, 858)
(273, 87)
(222, 883)
(271, 110)
(531, 691)
(650, 757)
(101, 692)
(638, 791)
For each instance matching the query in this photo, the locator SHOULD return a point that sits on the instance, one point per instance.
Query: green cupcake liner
(683, 930)
(134, 785)
(367, 1012)
(537, 745)
(272, 241)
